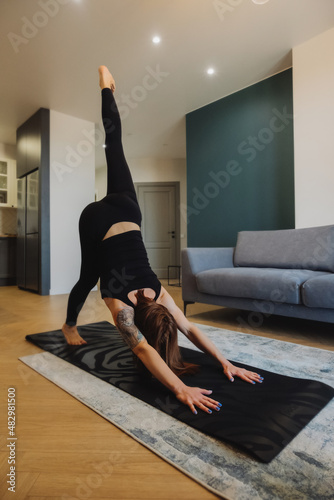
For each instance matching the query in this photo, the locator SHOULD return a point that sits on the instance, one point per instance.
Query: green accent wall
(240, 164)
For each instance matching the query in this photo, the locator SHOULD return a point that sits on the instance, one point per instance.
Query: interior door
(160, 231)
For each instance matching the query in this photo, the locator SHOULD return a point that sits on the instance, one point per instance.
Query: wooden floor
(66, 451)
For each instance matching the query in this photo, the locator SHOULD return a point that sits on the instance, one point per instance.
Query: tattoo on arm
(127, 328)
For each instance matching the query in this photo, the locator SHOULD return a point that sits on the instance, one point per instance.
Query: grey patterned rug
(303, 470)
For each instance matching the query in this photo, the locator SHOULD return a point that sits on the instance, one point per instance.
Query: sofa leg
(185, 306)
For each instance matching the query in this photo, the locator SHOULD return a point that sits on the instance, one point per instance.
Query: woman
(113, 250)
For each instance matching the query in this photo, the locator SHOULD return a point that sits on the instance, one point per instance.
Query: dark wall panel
(240, 170)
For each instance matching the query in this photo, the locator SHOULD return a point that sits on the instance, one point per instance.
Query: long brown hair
(159, 328)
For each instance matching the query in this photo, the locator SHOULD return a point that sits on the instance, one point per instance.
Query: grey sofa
(285, 272)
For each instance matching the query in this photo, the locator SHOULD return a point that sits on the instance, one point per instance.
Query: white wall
(72, 187)
(7, 151)
(153, 170)
(313, 93)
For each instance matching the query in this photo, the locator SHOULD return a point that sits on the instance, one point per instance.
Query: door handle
(171, 232)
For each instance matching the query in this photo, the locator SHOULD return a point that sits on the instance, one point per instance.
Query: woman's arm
(194, 334)
(191, 396)
(124, 321)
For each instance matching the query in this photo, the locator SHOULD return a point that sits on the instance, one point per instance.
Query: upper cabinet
(31, 138)
(8, 190)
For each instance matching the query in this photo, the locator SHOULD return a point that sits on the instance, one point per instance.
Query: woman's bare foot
(106, 79)
(72, 336)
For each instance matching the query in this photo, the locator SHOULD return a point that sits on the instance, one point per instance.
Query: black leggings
(120, 204)
(119, 175)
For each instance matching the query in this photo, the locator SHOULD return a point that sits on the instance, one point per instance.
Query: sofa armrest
(202, 259)
(195, 260)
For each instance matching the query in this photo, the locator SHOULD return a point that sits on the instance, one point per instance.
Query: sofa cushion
(319, 292)
(310, 248)
(277, 285)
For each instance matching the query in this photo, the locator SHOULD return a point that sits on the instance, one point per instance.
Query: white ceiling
(56, 67)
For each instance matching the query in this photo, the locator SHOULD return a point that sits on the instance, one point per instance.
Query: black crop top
(124, 267)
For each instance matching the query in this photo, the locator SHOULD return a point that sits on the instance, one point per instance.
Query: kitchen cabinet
(33, 189)
(32, 256)
(8, 191)
(7, 261)
(29, 143)
(28, 243)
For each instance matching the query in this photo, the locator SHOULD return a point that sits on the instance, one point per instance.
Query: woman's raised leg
(119, 175)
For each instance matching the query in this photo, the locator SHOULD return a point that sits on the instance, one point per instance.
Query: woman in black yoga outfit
(112, 249)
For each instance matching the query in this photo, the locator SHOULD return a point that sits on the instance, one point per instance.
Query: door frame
(176, 185)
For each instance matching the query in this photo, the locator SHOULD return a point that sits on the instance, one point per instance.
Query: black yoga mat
(260, 419)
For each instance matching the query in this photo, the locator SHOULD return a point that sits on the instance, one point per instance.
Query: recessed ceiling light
(260, 2)
(104, 145)
(210, 71)
(156, 39)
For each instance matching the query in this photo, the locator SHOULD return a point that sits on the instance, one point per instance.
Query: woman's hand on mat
(232, 371)
(195, 397)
